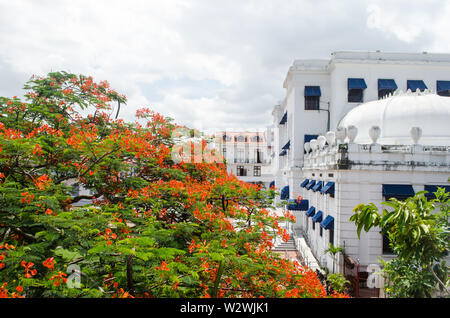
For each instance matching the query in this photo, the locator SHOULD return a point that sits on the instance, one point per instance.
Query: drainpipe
(328, 115)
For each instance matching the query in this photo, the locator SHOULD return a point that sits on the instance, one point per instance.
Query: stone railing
(331, 151)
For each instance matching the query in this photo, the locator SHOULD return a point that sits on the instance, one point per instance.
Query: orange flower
(60, 277)
(28, 271)
(19, 289)
(49, 263)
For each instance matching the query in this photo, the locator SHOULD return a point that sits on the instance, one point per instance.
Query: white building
(247, 156)
(347, 95)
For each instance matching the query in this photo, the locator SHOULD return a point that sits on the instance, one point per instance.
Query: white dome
(397, 114)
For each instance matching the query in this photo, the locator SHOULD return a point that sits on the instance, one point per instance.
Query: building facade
(247, 156)
(361, 127)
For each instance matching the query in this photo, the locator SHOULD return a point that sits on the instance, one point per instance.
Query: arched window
(240, 138)
(256, 138)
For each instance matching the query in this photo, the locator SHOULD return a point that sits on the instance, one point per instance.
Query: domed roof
(395, 115)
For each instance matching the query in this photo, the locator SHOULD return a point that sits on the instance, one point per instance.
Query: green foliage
(338, 282)
(418, 232)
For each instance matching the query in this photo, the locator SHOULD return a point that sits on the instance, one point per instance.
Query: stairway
(285, 246)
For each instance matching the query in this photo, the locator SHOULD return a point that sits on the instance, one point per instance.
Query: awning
(284, 195)
(356, 83)
(287, 145)
(318, 217)
(388, 84)
(328, 188)
(296, 206)
(308, 138)
(414, 85)
(328, 223)
(283, 152)
(272, 184)
(284, 119)
(304, 183)
(311, 211)
(312, 91)
(442, 86)
(310, 184)
(317, 186)
(433, 188)
(399, 191)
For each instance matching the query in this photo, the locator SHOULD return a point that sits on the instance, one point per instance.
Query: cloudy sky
(208, 64)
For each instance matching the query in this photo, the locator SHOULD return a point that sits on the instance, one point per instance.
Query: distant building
(247, 156)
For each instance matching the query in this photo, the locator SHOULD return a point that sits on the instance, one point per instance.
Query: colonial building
(247, 156)
(361, 127)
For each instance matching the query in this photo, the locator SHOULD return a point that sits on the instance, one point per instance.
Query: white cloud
(162, 54)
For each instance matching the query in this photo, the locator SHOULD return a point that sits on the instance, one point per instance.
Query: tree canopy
(153, 227)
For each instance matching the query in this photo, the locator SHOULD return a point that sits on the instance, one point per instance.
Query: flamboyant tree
(154, 227)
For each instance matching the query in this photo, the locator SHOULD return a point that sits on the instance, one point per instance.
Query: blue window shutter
(356, 83)
(310, 184)
(317, 186)
(312, 91)
(328, 223)
(388, 84)
(414, 85)
(304, 183)
(284, 195)
(318, 217)
(328, 188)
(311, 211)
(399, 191)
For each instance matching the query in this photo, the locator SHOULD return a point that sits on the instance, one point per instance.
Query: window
(312, 102)
(313, 225)
(241, 171)
(240, 138)
(226, 138)
(259, 156)
(257, 171)
(386, 247)
(331, 238)
(355, 95)
(443, 88)
(321, 231)
(386, 87)
(224, 153)
(312, 97)
(256, 138)
(356, 87)
(239, 155)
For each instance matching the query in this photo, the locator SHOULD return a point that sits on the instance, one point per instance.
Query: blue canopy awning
(284, 194)
(304, 183)
(287, 145)
(272, 184)
(433, 188)
(293, 204)
(312, 91)
(399, 191)
(317, 186)
(356, 83)
(442, 86)
(310, 184)
(328, 223)
(284, 119)
(414, 85)
(328, 188)
(283, 152)
(311, 211)
(388, 84)
(318, 217)
(308, 138)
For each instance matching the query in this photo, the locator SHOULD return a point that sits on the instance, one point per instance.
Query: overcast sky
(207, 64)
